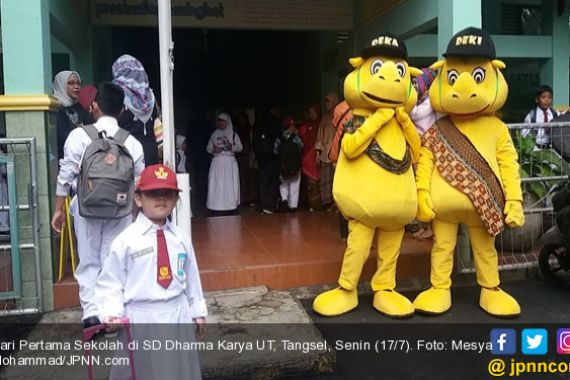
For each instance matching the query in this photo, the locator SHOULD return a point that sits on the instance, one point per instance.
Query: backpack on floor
(106, 176)
(290, 156)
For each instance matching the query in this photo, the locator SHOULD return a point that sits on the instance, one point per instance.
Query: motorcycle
(553, 260)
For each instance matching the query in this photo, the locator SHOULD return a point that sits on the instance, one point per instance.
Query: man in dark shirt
(265, 131)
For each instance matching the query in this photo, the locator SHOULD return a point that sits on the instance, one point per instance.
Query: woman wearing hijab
(223, 178)
(140, 112)
(423, 117)
(325, 137)
(181, 147)
(309, 132)
(71, 114)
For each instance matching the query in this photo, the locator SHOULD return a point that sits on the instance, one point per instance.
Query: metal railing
(542, 168)
(20, 158)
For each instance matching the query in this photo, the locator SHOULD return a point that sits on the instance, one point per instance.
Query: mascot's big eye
(401, 69)
(376, 65)
(478, 74)
(452, 76)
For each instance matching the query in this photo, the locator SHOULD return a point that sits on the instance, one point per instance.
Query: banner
(372, 9)
(230, 14)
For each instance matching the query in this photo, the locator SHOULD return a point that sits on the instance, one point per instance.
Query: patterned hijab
(129, 74)
(424, 82)
(60, 87)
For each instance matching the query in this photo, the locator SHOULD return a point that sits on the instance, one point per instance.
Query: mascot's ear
(437, 65)
(415, 72)
(497, 64)
(356, 62)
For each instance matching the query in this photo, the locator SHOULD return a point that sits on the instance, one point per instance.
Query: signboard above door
(335, 15)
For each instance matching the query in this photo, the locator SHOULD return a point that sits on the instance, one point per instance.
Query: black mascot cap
(385, 44)
(471, 42)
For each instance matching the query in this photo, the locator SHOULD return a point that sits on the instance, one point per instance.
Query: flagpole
(181, 214)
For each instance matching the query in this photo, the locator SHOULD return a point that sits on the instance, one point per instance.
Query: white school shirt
(129, 272)
(75, 146)
(542, 137)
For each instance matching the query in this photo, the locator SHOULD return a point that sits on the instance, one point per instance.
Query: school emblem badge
(164, 273)
(110, 159)
(161, 173)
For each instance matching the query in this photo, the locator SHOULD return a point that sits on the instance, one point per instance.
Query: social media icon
(503, 341)
(534, 341)
(563, 341)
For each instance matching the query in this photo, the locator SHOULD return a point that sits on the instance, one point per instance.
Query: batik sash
(463, 167)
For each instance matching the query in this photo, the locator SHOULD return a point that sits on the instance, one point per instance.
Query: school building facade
(41, 37)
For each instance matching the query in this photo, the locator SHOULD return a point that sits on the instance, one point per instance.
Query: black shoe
(94, 321)
(283, 206)
(91, 321)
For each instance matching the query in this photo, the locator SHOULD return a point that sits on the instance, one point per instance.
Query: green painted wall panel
(26, 46)
(453, 16)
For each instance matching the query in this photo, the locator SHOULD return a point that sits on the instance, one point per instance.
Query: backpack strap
(91, 131)
(533, 115)
(341, 118)
(121, 136)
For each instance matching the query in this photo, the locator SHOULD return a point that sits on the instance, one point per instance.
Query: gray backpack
(106, 177)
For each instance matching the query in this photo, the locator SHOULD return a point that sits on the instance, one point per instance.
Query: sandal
(426, 235)
(418, 234)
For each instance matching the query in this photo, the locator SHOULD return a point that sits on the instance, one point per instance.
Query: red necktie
(545, 116)
(163, 274)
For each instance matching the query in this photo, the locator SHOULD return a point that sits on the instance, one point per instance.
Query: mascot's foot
(392, 304)
(433, 301)
(498, 303)
(335, 302)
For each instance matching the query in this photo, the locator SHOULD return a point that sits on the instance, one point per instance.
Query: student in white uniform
(289, 150)
(151, 277)
(94, 236)
(542, 113)
(223, 178)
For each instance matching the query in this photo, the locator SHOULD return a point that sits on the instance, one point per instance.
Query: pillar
(453, 16)
(555, 71)
(28, 109)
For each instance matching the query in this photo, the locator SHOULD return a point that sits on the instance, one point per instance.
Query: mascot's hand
(425, 208)
(402, 117)
(514, 215)
(383, 115)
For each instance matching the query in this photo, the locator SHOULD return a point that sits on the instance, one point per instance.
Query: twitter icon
(534, 341)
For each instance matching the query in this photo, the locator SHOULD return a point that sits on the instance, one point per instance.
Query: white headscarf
(60, 87)
(228, 131)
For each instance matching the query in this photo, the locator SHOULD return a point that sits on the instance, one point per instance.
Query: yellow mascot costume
(468, 171)
(374, 184)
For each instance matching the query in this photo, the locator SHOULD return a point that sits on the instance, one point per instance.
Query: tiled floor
(280, 251)
(283, 251)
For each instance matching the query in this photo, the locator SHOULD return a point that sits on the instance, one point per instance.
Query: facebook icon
(503, 341)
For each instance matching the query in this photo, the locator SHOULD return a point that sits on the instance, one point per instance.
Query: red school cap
(157, 177)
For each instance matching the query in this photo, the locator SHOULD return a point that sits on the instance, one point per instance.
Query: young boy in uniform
(93, 235)
(151, 277)
(542, 113)
(289, 150)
